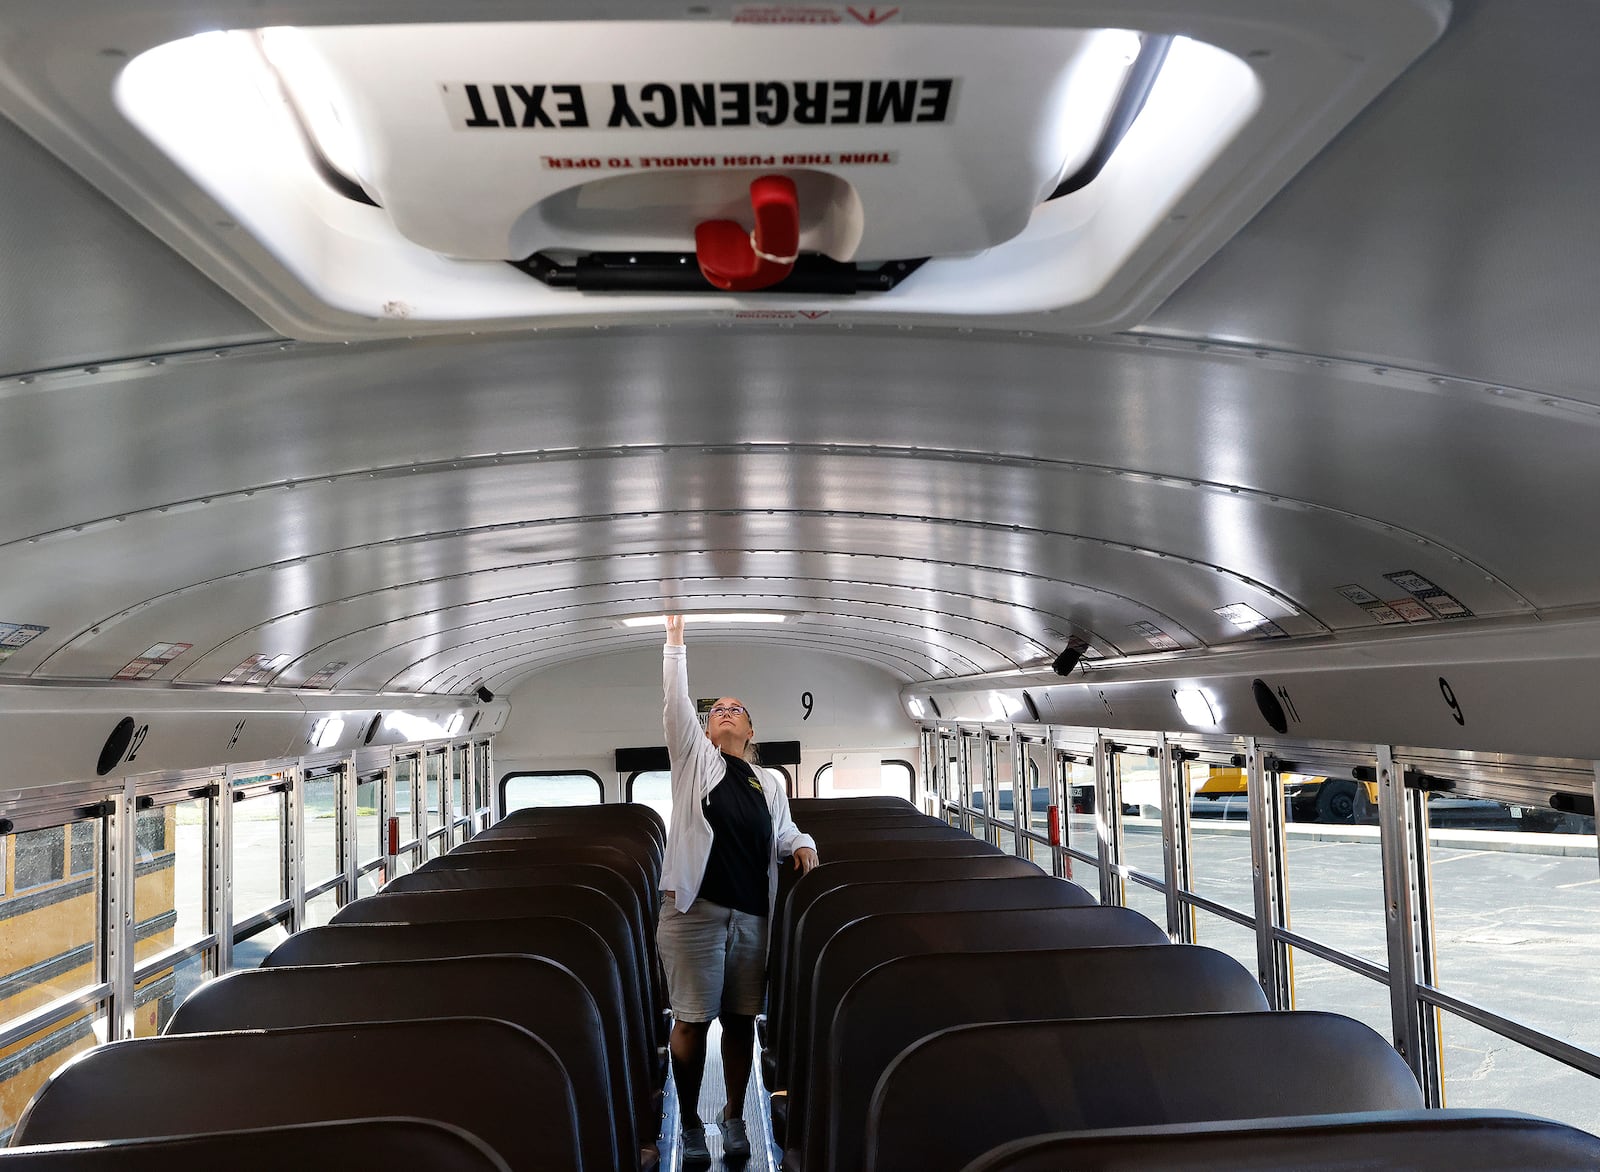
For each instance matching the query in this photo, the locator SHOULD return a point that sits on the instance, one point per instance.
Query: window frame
(506, 778)
(911, 776)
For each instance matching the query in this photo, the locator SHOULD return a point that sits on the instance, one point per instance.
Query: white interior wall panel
(614, 699)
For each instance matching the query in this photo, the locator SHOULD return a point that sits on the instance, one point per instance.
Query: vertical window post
(294, 837)
(117, 821)
(221, 886)
(1108, 822)
(1408, 909)
(1175, 839)
(349, 853)
(1264, 791)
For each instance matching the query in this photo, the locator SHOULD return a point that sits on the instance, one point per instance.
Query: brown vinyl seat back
(418, 1145)
(538, 994)
(467, 876)
(801, 806)
(642, 847)
(607, 813)
(1030, 1077)
(584, 904)
(503, 852)
(874, 939)
(567, 941)
(1461, 1140)
(837, 874)
(492, 1079)
(834, 909)
(1098, 974)
(920, 847)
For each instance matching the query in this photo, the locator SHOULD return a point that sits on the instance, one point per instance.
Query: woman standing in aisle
(730, 824)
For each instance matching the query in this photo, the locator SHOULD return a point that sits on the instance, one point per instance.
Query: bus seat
(963, 846)
(567, 941)
(876, 1020)
(506, 852)
(1026, 1078)
(608, 813)
(418, 1145)
(475, 877)
(808, 887)
(1458, 1139)
(517, 1100)
(641, 847)
(834, 909)
(580, 903)
(801, 806)
(538, 994)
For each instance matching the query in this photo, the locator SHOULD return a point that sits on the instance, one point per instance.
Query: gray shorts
(715, 958)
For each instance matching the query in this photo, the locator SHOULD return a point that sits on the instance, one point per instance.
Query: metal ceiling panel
(1450, 228)
(81, 282)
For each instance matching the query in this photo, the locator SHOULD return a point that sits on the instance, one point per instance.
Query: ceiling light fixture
(1195, 708)
(750, 616)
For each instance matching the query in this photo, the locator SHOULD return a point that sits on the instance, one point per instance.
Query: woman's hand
(674, 630)
(804, 859)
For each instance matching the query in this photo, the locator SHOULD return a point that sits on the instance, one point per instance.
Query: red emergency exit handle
(394, 836)
(736, 260)
(1055, 825)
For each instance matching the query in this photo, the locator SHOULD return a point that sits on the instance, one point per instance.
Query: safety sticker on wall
(1438, 602)
(323, 677)
(148, 665)
(1155, 636)
(257, 669)
(17, 635)
(1410, 610)
(1371, 603)
(824, 14)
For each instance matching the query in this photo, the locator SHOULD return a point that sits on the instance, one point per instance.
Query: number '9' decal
(806, 703)
(1450, 699)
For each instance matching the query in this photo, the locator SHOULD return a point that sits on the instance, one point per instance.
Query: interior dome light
(1195, 708)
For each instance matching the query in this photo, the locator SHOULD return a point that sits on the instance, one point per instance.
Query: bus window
(170, 886)
(319, 801)
(458, 786)
(653, 787)
(1139, 787)
(520, 791)
(895, 779)
(50, 944)
(406, 807)
(258, 854)
(369, 833)
(1080, 834)
(1219, 858)
(433, 801)
(1515, 905)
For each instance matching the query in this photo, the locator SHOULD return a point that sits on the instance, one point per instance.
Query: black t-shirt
(741, 841)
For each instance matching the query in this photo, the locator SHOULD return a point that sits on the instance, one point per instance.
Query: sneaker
(735, 1140)
(695, 1152)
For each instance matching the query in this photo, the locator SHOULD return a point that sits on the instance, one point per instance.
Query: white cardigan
(697, 766)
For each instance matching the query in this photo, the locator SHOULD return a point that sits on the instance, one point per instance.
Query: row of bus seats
(935, 1004)
(499, 1008)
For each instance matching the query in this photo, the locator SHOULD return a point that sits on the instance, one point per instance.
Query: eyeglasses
(729, 710)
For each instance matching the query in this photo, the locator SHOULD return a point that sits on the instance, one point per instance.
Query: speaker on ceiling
(1070, 655)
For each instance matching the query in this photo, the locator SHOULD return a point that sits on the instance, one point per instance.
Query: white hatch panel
(491, 142)
(431, 175)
